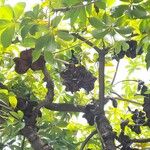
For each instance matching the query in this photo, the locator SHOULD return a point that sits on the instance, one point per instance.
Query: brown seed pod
(26, 55)
(21, 66)
(38, 64)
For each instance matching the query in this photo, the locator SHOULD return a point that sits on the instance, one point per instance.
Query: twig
(87, 139)
(140, 140)
(126, 81)
(70, 47)
(64, 9)
(124, 99)
(23, 142)
(117, 67)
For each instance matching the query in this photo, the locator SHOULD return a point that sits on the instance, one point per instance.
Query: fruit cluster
(146, 105)
(77, 77)
(24, 62)
(131, 52)
(139, 120)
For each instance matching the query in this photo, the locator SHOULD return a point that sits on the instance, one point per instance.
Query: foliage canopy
(59, 62)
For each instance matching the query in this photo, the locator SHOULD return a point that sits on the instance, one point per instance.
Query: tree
(58, 63)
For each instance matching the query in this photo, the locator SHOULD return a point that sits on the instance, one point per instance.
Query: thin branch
(23, 143)
(87, 139)
(86, 41)
(126, 81)
(140, 140)
(124, 99)
(117, 67)
(64, 9)
(70, 47)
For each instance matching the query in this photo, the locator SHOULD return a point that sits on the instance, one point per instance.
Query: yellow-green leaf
(13, 101)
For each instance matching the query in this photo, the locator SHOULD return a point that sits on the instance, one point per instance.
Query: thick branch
(33, 138)
(64, 9)
(103, 126)
(65, 107)
(102, 79)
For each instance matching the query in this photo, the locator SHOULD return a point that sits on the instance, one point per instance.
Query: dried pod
(39, 64)
(21, 66)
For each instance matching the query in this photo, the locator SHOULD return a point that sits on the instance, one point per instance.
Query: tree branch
(86, 41)
(140, 140)
(65, 107)
(117, 67)
(30, 131)
(87, 139)
(34, 139)
(64, 9)
(124, 99)
(103, 126)
(126, 81)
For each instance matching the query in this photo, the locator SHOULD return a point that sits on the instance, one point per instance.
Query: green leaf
(29, 42)
(56, 21)
(19, 9)
(36, 54)
(25, 30)
(128, 1)
(7, 35)
(139, 12)
(46, 41)
(96, 23)
(98, 34)
(42, 41)
(119, 10)
(48, 56)
(137, 1)
(73, 15)
(145, 26)
(83, 17)
(147, 58)
(6, 12)
(124, 30)
(64, 35)
(13, 101)
(100, 5)
(4, 24)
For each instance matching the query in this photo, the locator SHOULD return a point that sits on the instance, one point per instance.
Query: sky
(29, 3)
